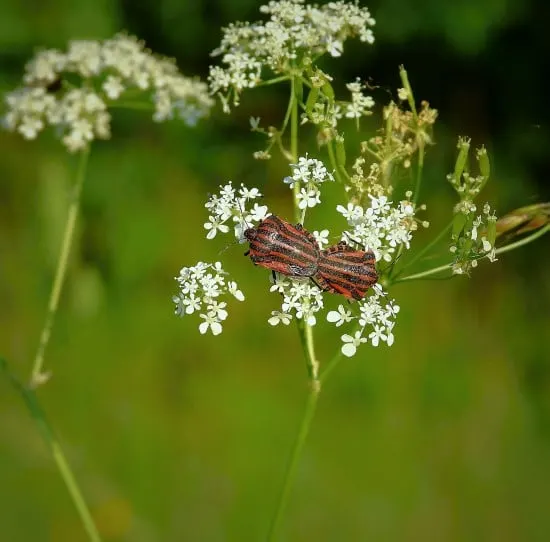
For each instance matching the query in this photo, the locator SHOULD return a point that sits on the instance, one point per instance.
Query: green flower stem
(501, 250)
(419, 135)
(330, 366)
(424, 274)
(288, 114)
(293, 462)
(294, 144)
(404, 76)
(332, 158)
(339, 171)
(306, 332)
(39, 417)
(427, 248)
(296, 452)
(419, 168)
(523, 241)
(273, 81)
(38, 376)
(306, 337)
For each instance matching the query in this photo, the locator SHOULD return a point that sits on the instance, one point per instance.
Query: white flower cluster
(361, 104)
(327, 112)
(376, 321)
(230, 205)
(81, 114)
(201, 287)
(382, 227)
(311, 173)
(300, 298)
(473, 238)
(90, 76)
(373, 315)
(295, 32)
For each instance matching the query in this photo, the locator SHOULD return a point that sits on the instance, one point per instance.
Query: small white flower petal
(349, 349)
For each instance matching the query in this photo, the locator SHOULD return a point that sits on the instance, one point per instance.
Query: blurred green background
(175, 436)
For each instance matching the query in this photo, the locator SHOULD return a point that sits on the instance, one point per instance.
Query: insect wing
(346, 271)
(284, 248)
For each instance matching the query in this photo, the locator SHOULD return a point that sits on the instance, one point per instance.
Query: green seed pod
(459, 221)
(407, 86)
(340, 151)
(312, 100)
(484, 162)
(328, 91)
(462, 158)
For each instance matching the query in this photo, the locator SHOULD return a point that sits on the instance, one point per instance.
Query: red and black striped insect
(283, 248)
(344, 270)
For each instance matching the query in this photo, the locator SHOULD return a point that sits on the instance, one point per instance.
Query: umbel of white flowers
(292, 39)
(383, 227)
(73, 90)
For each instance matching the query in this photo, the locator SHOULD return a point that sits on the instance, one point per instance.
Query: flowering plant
(380, 181)
(73, 90)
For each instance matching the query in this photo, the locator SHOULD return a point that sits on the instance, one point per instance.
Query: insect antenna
(391, 265)
(353, 240)
(228, 246)
(243, 219)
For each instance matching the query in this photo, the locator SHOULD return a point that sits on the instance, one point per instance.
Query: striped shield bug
(283, 248)
(347, 271)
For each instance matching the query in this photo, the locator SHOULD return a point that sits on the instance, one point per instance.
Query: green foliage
(467, 25)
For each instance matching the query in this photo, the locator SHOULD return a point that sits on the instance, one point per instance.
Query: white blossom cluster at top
(294, 32)
(91, 75)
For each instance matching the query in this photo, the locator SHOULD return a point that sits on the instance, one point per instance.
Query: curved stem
(293, 462)
(308, 346)
(523, 241)
(273, 81)
(424, 274)
(294, 143)
(330, 366)
(39, 416)
(426, 249)
(501, 250)
(38, 376)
